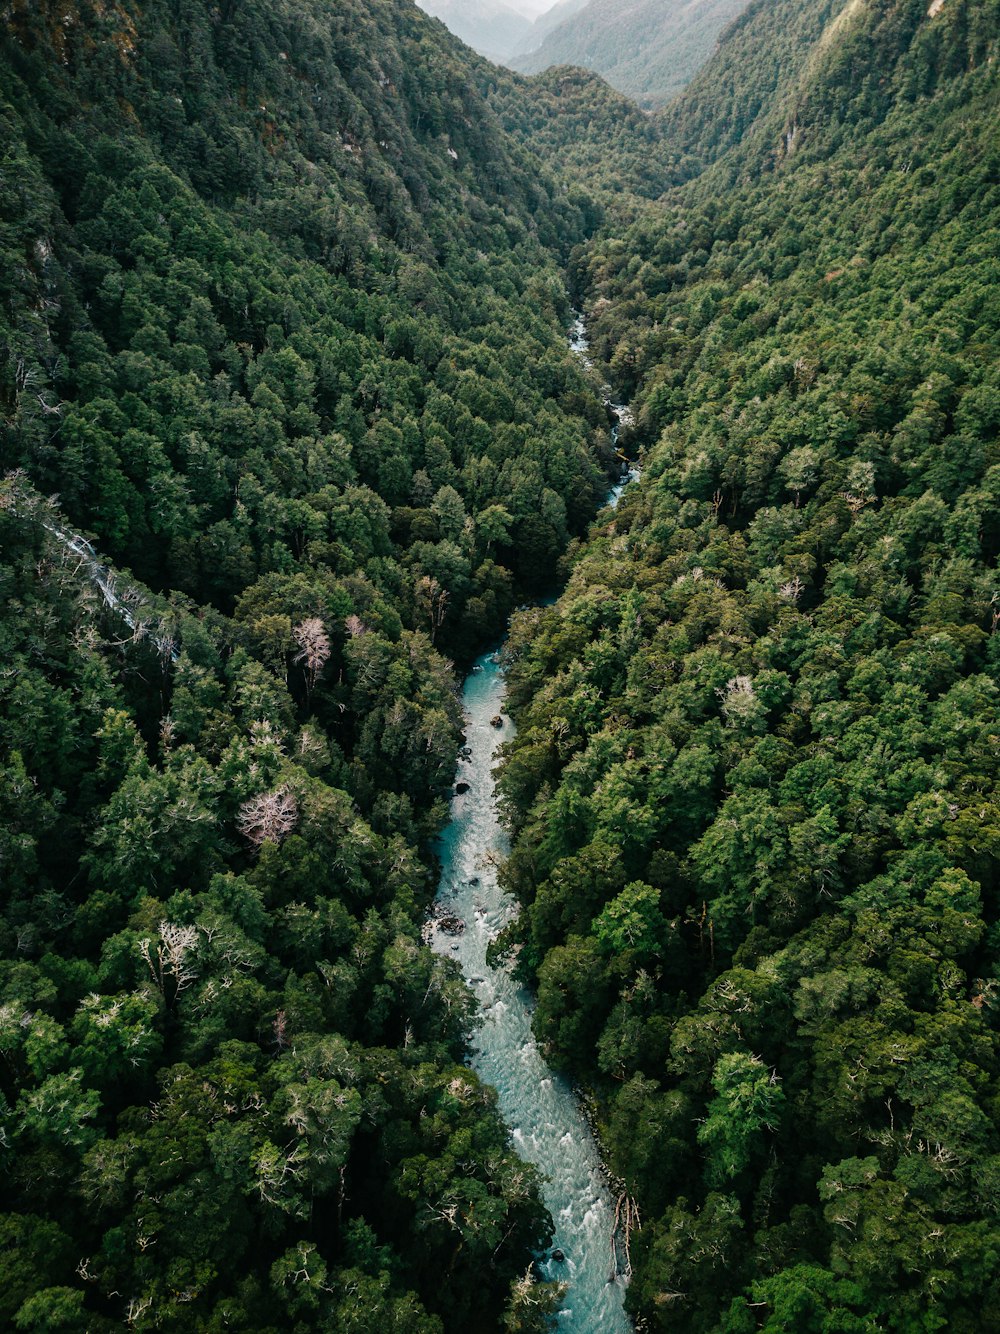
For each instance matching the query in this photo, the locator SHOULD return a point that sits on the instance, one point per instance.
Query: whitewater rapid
(546, 1122)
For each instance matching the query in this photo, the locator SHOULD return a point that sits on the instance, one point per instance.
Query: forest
(755, 783)
(649, 49)
(284, 294)
(283, 335)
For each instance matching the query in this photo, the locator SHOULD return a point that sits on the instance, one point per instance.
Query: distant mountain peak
(491, 27)
(647, 49)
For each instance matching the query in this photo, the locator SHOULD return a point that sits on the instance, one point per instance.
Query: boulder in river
(461, 787)
(496, 721)
(558, 1256)
(450, 923)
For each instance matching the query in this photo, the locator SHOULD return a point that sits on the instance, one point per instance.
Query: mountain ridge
(490, 27)
(647, 50)
(746, 818)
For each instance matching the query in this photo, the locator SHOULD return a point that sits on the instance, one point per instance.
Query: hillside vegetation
(754, 786)
(611, 154)
(649, 50)
(288, 425)
(282, 333)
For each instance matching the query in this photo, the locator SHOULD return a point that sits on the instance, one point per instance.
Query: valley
(315, 333)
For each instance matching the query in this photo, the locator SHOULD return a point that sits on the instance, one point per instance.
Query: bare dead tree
(792, 590)
(137, 1307)
(855, 503)
(529, 1295)
(626, 1218)
(280, 1030)
(313, 648)
(434, 600)
(269, 817)
(276, 1172)
(170, 959)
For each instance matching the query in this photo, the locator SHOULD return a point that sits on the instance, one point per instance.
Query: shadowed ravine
(546, 1122)
(544, 1114)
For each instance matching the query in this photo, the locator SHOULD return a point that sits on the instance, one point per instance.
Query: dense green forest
(594, 137)
(755, 785)
(282, 325)
(283, 298)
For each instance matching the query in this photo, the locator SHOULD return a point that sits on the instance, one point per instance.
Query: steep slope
(754, 784)
(762, 56)
(282, 333)
(547, 21)
(399, 231)
(488, 26)
(610, 152)
(649, 49)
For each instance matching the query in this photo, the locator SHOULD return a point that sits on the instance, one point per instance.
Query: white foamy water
(546, 1122)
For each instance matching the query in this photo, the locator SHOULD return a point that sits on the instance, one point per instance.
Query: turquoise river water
(544, 1115)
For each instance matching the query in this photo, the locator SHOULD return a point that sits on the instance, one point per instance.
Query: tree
(433, 601)
(57, 1113)
(806, 1298)
(313, 648)
(533, 1304)
(52, 1309)
(170, 958)
(493, 526)
(34, 1254)
(749, 1099)
(632, 922)
(269, 817)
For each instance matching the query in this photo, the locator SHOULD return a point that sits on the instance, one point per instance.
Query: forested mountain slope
(648, 50)
(370, 223)
(609, 151)
(755, 782)
(762, 56)
(547, 20)
(281, 333)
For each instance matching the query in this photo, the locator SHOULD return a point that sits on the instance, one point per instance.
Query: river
(546, 1121)
(544, 1115)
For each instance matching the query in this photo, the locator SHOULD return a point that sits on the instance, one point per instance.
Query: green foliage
(282, 333)
(748, 1100)
(754, 733)
(632, 921)
(648, 51)
(282, 328)
(579, 125)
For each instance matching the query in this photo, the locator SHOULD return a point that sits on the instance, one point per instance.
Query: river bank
(547, 1122)
(551, 1125)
